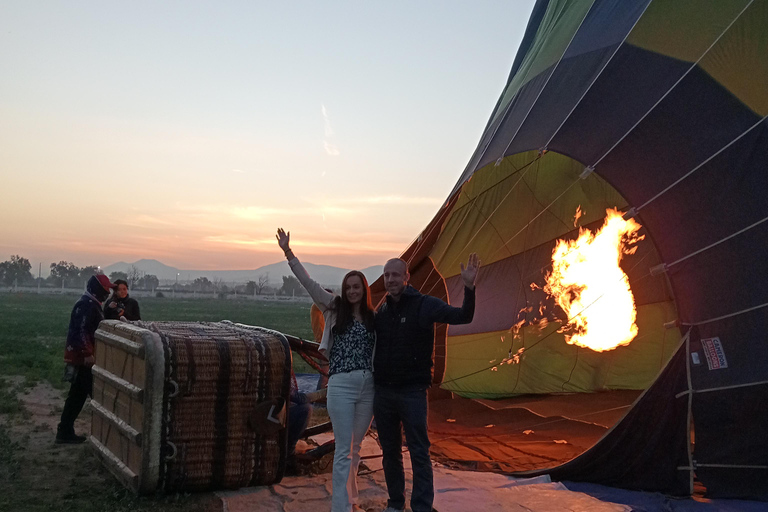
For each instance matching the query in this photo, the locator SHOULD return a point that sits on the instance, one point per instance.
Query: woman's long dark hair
(344, 310)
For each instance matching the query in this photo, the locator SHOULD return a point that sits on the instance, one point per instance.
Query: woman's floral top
(352, 350)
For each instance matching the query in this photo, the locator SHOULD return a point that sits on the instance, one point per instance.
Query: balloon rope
(718, 242)
(631, 129)
(477, 158)
(552, 332)
(509, 105)
(545, 209)
(469, 207)
(680, 79)
(594, 80)
(737, 313)
(692, 66)
(476, 161)
(643, 117)
(507, 110)
(541, 90)
(684, 176)
(747, 310)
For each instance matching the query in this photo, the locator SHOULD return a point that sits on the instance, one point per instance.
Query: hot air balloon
(657, 110)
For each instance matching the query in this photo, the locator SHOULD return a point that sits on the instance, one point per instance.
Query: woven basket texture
(215, 375)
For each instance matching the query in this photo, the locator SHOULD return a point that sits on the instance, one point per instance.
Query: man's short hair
(402, 261)
(118, 282)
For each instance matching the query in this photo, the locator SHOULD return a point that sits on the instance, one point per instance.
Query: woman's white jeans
(350, 406)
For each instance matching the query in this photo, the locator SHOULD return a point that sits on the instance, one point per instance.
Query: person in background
(348, 343)
(78, 355)
(405, 341)
(299, 412)
(121, 306)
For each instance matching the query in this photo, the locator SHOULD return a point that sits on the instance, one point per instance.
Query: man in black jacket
(402, 373)
(121, 305)
(78, 355)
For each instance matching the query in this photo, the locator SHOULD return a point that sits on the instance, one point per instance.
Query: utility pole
(39, 277)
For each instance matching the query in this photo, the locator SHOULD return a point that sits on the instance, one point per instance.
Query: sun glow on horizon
(111, 154)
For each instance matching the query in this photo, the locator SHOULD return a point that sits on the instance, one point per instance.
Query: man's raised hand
(469, 274)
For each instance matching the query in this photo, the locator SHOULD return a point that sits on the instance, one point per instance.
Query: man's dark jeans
(80, 389)
(298, 419)
(407, 406)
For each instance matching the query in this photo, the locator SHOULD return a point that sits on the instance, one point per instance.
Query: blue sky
(188, 131)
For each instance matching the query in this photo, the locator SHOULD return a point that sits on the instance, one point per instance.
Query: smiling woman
(348, 341)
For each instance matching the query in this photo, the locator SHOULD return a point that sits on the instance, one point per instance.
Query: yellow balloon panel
(739, 61)
(556, 29)
(525, 201)
(730, 40)
(683, 29)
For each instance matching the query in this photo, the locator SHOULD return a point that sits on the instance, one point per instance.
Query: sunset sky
(189, 131)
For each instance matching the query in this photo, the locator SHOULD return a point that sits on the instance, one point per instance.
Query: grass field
(33, 327)
(35, 474)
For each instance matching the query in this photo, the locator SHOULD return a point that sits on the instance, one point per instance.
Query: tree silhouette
(64, 272)
(86, 273)
(16, 271)
(114, 276)
(202, 284)
(291, 286)
(147, 282)
(263, 283)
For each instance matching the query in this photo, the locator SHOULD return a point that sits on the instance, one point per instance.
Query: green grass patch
(33, 328)
(9, 402)
(35, 474)
(32, 333)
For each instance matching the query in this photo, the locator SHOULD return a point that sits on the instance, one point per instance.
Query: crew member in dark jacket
(402, 373)
(78, 355)
(121, 305)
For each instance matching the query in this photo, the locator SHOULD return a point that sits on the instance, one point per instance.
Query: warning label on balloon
(713, 351)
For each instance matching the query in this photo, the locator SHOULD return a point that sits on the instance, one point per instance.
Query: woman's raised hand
(283, 239)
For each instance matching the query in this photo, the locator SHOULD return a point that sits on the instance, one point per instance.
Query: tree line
(290, 287)
(17, 271)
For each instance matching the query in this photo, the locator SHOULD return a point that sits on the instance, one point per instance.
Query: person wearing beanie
(120, 306)
(78, 355)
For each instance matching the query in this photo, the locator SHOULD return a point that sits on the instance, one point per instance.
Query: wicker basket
(178, 405)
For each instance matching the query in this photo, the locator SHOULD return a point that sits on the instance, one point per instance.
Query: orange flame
(587, 282)
(578, 215)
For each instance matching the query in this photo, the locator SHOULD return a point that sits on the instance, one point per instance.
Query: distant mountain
(154, 267)
(324, 274)
(372, 273)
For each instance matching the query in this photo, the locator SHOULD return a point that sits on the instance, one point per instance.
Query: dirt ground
(44, 476)
(38, 475)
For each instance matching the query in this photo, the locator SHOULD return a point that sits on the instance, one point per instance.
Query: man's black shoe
(70, 438)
